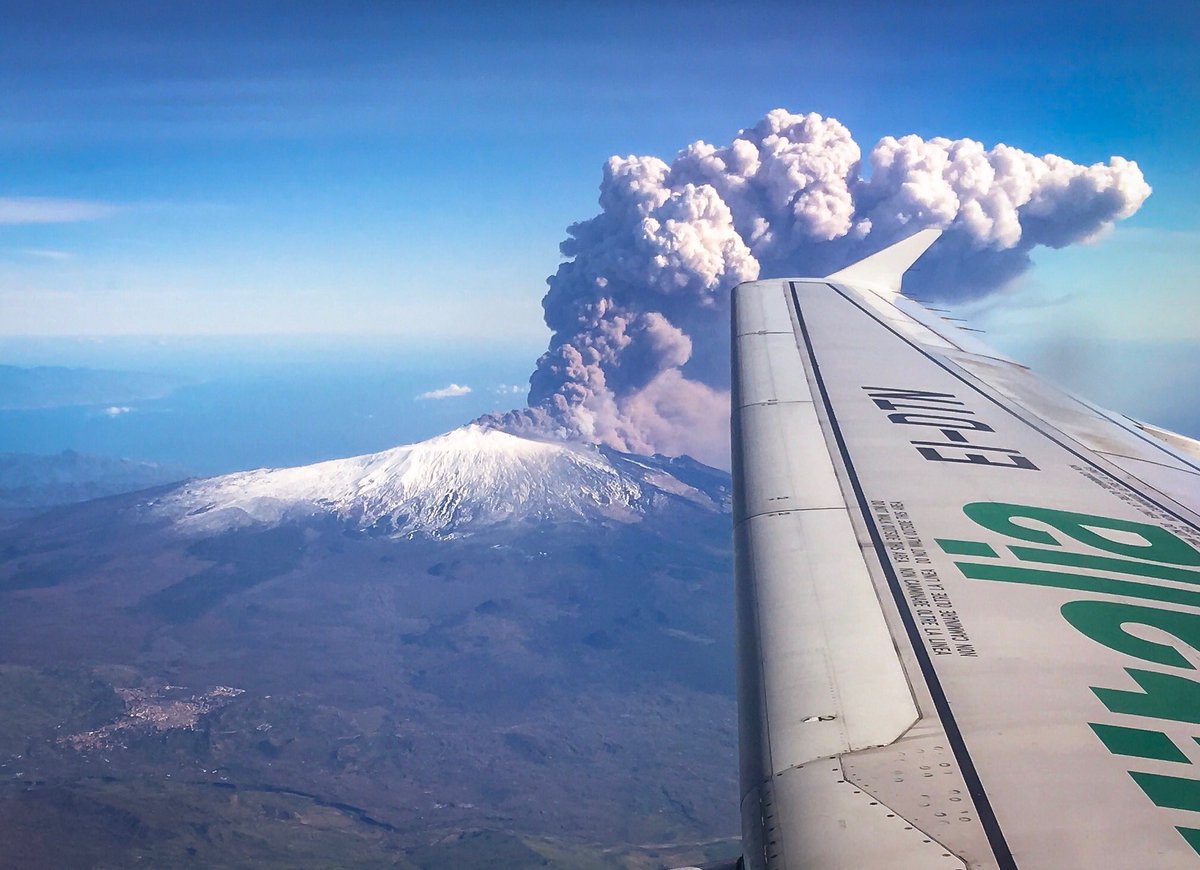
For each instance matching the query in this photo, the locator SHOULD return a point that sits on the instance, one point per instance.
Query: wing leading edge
(938, 556)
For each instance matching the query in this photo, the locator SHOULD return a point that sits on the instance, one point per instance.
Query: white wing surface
(968, 602)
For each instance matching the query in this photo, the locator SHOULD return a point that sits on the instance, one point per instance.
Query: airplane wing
(968, 602)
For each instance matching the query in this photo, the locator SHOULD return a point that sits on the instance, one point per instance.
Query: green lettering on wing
(1159, 544)
(1139, 743)
(1129, 559)
(1105, 622)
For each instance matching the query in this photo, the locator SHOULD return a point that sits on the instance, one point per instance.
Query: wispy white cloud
(447, 392)
(46, 210)
(48, 254)
(117, 410)
(510, 389)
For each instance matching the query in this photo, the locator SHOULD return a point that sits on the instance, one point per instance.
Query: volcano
(469, 479)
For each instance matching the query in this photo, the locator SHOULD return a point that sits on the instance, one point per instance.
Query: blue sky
(409, 169)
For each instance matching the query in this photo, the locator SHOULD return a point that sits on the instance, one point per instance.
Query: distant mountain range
(480, 650)
(24, 388)
(29, 481)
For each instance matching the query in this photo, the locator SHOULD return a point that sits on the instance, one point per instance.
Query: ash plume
(639, 308)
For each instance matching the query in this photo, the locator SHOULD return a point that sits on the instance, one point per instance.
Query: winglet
(883, 271)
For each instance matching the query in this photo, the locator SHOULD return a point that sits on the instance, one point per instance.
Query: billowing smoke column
(639, 355)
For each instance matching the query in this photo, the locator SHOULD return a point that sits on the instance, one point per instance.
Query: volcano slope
(476, 649)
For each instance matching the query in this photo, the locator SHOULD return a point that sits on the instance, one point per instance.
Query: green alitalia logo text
(1128, 560)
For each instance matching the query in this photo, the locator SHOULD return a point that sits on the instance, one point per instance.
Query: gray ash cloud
(639, 307)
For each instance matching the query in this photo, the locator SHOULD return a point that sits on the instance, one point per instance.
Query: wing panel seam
(1187, 471)
(959, 376)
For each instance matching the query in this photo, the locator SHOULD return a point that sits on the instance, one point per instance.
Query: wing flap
(763, 375)
(833, 681)
(787, 465)
(871, 833)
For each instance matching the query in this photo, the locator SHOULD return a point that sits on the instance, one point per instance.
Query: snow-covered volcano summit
(466, 479)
